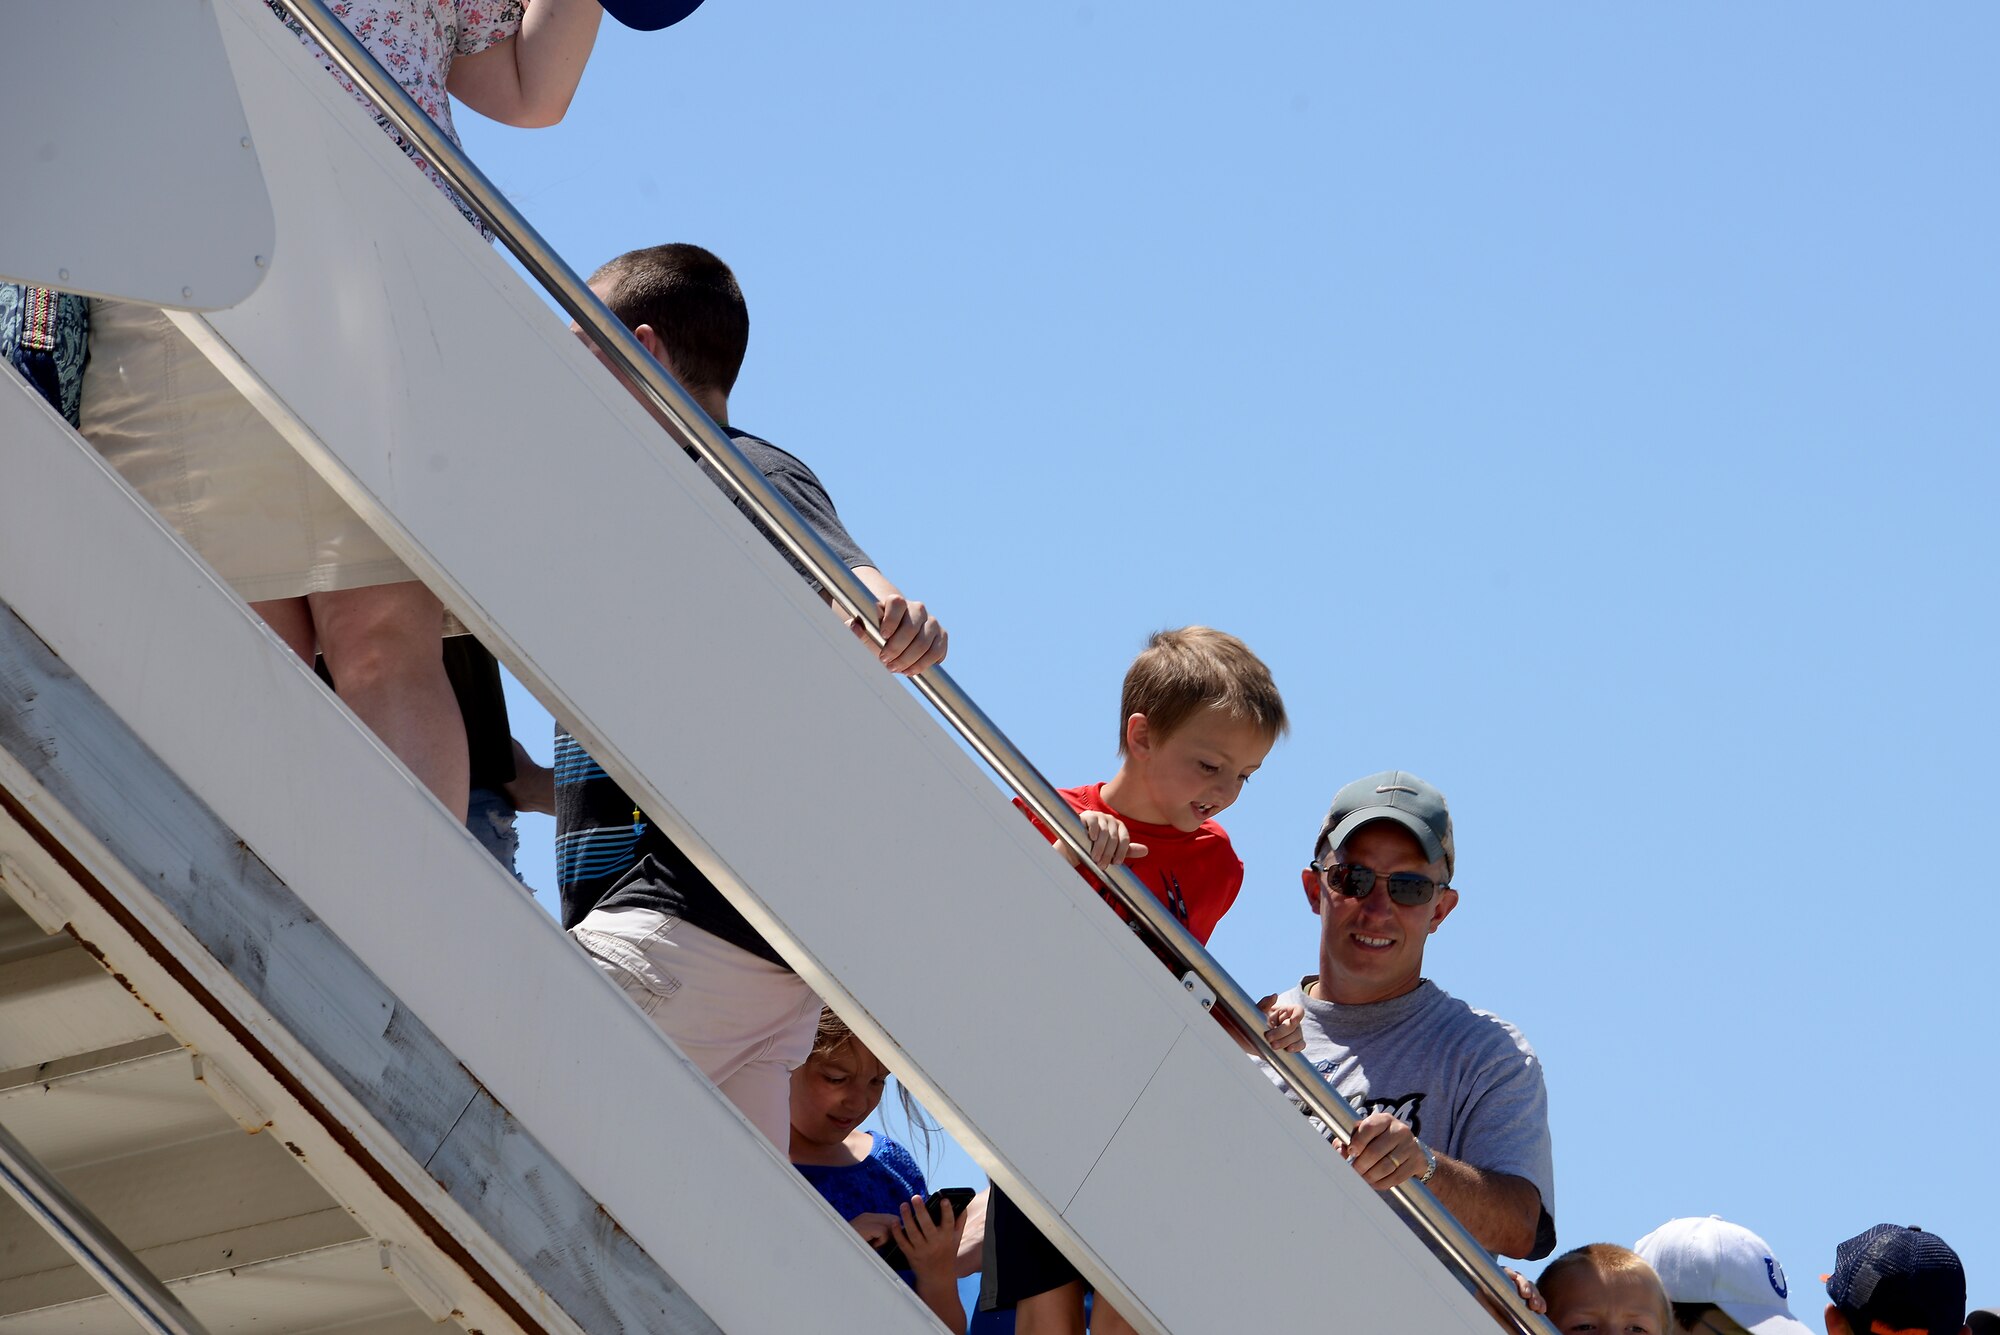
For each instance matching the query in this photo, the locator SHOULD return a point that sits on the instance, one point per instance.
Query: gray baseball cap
(1397, 796)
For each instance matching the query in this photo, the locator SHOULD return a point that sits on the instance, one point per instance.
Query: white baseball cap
(1714, 1261)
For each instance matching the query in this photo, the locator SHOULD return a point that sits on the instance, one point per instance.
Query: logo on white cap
(1777, 1274)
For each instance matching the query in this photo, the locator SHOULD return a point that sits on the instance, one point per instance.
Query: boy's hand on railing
(1110, 842)
(1530, 1295)
(912, 639)
(1283, 1021)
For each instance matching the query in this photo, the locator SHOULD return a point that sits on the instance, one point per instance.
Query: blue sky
(1590, 408)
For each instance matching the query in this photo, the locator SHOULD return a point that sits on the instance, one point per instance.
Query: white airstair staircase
(281, 1049)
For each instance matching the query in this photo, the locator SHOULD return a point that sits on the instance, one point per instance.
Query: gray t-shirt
(1464, 1080)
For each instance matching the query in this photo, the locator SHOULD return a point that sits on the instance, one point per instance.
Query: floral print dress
(415, 41)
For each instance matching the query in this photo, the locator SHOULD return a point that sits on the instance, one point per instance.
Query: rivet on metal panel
(1203, 994)
(187, 294)
(260, 260)
(62, 275)
(245, 141)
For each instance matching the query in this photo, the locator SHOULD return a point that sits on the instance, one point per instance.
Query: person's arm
(932, 1251)
(1502, 1211)
(913, 639)
(533, 787)
(972, 1242)
(528, 79)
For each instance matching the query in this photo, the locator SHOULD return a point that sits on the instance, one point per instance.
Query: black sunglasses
(1404, 887)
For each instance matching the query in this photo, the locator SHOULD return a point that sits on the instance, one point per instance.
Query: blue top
(882, 1183)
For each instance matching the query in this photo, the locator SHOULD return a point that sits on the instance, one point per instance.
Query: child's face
(834, 1092)
(1196, 771)
(1586, 1302)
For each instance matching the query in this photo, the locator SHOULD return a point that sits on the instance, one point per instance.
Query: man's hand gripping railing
(701, 437)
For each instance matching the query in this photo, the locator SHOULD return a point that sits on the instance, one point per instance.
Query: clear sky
(1591, 408)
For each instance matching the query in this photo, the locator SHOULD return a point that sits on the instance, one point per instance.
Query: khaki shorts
(746, 1022)
(215, 469)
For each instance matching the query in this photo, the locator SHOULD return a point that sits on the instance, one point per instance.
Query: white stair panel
(793, 710)
(206, 233)
(232, 1222)
(248, 939)
(509, 1076)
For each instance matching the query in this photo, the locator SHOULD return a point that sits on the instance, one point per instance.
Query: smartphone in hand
(960, 1197)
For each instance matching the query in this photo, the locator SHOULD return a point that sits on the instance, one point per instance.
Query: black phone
(960, 1197)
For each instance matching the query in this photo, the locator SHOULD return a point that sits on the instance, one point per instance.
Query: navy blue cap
(649, 15)
(1899, 1279)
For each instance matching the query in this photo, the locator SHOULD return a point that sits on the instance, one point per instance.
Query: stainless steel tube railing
(84, 1237)
(1446, 1237)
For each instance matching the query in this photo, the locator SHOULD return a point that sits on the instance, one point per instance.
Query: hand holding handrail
(701, 437)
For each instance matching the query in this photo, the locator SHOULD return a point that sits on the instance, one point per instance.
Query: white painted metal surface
(131, 171)
(592, 1066)
(234, 1223)
(730, 744)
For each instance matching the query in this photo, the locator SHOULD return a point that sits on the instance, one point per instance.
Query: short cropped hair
(1181, 672)
(692, 301)
(1607, 1258)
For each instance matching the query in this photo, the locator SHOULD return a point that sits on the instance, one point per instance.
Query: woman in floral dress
(211, 464)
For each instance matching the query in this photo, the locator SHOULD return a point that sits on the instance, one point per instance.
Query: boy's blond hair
(1606, 1258)
(1181, 672)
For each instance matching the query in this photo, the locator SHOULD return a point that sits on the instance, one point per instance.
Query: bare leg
(1054, 1312)
(383, 647)
(292, 619)
(1104, 1319)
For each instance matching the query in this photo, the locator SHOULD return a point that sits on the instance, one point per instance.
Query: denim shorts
(490, 816)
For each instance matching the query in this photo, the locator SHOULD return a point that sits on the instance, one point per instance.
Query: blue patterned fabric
(880, 1184)
(45, 336)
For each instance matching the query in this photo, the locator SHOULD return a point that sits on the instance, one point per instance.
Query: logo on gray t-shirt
(1403, 1108)
(1476, 1077)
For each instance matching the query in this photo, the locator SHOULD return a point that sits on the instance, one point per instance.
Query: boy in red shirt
(1201, 713)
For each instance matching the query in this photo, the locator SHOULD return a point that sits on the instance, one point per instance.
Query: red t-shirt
(1196, 874)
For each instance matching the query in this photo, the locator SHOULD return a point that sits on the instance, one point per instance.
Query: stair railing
(1201, 974)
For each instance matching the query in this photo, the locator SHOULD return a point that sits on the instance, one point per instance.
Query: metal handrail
(81, 1234)
(701, 437)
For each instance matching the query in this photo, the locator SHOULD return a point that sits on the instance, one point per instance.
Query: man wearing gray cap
(1446, 1095)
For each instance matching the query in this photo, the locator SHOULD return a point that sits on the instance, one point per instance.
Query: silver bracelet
(1430, 1163)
